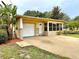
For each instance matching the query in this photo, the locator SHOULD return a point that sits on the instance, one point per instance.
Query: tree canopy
(66, 17)
(33, 13)
(8, 17)
(54, 14)
(76, 18)
(73, 24)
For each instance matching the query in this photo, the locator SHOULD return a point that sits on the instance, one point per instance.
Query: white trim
(21, 34)
(59, 26)
(20, 28)
(21, 23)
(62, 27)
(48, 28)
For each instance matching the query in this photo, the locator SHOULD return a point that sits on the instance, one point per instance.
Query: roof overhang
(37, 19)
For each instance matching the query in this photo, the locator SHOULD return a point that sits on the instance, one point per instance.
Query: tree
(8, 16)
(37, 14)
(47, 14)
(66, 17)
(56, 13)
(34, 13)
(76, 18)
(30, 13)
(73, 25)
(77, 24)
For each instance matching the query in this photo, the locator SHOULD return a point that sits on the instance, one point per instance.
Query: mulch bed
(13, 41)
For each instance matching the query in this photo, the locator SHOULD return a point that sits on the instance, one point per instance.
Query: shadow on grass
(13, 50)
(43, 53)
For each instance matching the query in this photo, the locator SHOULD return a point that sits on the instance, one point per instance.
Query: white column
(52, 26)
(43, 28)
(21, 23)
(48, 28)
(21, 27)
(56, 26)
(62, 26)
(59, 26)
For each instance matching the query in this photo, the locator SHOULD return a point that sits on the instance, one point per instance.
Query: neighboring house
(35, 26)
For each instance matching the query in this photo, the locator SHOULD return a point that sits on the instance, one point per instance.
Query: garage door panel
(28, 30)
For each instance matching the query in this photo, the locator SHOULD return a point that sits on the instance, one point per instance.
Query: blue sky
(70, 7)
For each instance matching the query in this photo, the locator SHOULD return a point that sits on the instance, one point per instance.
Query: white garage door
(28, 30)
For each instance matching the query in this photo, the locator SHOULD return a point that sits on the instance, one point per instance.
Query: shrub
(70, 32)
(59, 33)
(3, 36)
(65, 32)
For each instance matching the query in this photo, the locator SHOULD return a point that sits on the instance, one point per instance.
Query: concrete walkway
(61, 45)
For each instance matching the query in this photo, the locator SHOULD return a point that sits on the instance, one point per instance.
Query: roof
(39, 19)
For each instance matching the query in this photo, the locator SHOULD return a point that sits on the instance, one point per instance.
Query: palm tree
(56, 13)
(8, 15)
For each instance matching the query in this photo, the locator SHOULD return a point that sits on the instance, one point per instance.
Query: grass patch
(13, 51)
(73, 35)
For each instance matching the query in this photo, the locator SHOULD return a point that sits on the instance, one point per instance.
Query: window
(54, 27)
(60, 26)
(57, 27)
(45, 26)
(50, 26)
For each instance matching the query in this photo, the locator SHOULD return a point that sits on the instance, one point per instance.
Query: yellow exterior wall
(35, 20)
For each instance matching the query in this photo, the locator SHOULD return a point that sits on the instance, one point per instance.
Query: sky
(70, 7)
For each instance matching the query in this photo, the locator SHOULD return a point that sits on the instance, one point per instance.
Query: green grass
(12, 50)
(73, 35)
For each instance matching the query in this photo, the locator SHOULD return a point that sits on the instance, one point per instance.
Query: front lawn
(73, 35)
(13, 51)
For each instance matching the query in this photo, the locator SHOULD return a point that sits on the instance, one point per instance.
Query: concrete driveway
(61, 45)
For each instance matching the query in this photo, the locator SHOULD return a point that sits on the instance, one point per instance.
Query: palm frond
(3, 3)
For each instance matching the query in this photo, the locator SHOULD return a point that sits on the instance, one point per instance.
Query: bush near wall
(3, 36)
(59, 32)
(67, 32)
(70, 32)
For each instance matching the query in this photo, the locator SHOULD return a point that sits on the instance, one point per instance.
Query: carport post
(62, 26)
(48, 28)
(59, 26)
(21, 27)
(56, 27)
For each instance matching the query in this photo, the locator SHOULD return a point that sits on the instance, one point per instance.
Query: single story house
(35, 26)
